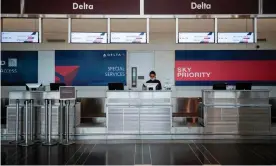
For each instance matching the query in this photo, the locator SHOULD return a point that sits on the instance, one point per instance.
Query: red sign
(252, 70)
(82, 7)
(269, 6)
(201, 6)
(10, 6)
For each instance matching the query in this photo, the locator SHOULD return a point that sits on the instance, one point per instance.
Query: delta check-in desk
(231, 112)
(139, 112)
(147, 114)
(236, 112)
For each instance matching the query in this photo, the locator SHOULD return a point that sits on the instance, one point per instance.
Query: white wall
(164, 65)
(144, 61)
(46, 67)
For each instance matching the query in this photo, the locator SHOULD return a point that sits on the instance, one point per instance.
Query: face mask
(152, 79)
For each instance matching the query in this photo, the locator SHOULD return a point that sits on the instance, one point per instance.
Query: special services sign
(201, 6)
(82, 7)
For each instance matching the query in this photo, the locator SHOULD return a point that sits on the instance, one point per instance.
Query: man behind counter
(154, 80)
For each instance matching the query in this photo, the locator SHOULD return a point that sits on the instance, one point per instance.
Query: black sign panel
(269, 6)
(82, 7)
(10, 6)
(201, 6)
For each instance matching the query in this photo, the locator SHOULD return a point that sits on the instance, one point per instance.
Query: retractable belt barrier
(65, 95)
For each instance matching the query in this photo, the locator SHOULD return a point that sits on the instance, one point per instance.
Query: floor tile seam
(89, 153)
(195, 154)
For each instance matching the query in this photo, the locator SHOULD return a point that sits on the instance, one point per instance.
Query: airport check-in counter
(236, 112)
(38, 98)
(138, 112)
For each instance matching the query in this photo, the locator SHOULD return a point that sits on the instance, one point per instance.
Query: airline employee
(154, 80)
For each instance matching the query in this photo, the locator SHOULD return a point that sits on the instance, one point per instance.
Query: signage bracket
(176, 30)
(148, 30)
(216, 30)
(69, 29)
(255, 28)
(40, 30)
(108, 30)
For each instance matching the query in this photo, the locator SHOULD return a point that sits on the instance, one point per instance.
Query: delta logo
(66, 74)
(30, 38)
(246, 38)
(112, 55)
(206, 39)
(99, 39)
(139, 38)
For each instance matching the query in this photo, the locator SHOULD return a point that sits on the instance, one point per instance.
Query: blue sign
(90, 68)
(19, 67)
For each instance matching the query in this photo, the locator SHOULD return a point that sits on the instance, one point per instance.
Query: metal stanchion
(31, 120)
(32, 126)
(67, 134)
(46, 119)
(48, 124)
(61, 122)
(16, 141)
(26, 141)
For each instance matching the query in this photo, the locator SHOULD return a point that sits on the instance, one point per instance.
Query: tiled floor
(155, 152)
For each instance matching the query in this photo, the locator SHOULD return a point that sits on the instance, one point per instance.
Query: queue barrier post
(48, 124)
(27, 141)
(61, 122)
(67, 122)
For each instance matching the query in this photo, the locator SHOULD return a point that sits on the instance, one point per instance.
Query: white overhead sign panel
(131, 37)
(240, 37)
(19, 37)
(82, 37)
(201, 37)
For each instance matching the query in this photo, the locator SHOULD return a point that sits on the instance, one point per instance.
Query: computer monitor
(115, 86)
(219, 86)
(243, 86)
(55, 86)
(151, 86)
(32, 86)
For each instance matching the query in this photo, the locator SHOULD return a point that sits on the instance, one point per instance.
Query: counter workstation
(139, 112)
(145, 114)
(236, 111)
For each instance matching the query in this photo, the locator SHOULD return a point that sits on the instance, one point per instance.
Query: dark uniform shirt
(159, 86)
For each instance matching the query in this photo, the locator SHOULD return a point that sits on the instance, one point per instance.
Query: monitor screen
(81, 37)
(19, 37)
(115, 86)
(243, 86)
(219, 86)
(151, 86)
(55, 86)
(201, 37)
(130, 37)
(33, 86)
(240, 37)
